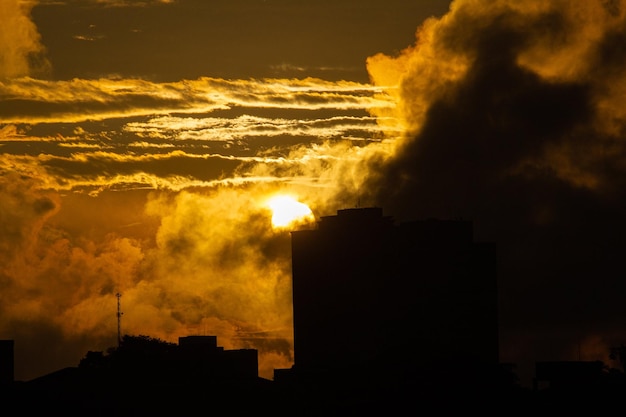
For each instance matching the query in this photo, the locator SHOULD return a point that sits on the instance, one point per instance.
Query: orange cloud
(21, 51)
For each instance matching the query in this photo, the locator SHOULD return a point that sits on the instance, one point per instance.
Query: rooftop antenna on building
(119, 320)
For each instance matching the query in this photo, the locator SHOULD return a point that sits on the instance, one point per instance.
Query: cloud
(246, 126)
(21, 51)
(23, 213)
(513, 117)
(185, 263)
(28, 100)
(93, 135)
(525, 100)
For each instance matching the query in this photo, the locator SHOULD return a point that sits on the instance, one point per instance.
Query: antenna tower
(119, 320)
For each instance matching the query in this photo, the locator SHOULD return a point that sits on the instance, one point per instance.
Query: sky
(141, 141)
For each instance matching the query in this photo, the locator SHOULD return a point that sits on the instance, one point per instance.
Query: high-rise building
(372, 295)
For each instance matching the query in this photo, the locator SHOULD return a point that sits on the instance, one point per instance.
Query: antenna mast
(119, 320)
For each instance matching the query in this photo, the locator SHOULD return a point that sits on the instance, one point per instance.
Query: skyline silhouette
(120, 175)
(388, 315)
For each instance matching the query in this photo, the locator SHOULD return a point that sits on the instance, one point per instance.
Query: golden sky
(141, 140)
(140, 143)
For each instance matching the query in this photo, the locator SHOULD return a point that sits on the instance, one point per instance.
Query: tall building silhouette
(371, 296)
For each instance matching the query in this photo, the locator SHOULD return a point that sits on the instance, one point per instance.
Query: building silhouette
(568, 375)
(201, 357)
(377, 300)
(195, 359)
(7, 362)
(145, 376)
(389, 318)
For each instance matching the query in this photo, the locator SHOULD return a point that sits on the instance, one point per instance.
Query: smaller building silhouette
(202, 358)
(145, 376)
(7, 361)
(196, 359)
(568, 375)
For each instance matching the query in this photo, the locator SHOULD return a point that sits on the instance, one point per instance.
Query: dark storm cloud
(533, 152)
(493, 119)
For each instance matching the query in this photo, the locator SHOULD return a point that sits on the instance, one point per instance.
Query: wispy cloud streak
(28, 100)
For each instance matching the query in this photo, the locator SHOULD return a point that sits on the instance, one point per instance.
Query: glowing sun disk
(287, 210)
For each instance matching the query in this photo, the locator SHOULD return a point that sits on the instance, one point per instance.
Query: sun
(287, 211)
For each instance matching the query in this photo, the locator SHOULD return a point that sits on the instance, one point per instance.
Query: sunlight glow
(287, 211)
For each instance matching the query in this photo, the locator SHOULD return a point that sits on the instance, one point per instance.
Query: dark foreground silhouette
(389, 319)
(148, 377)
